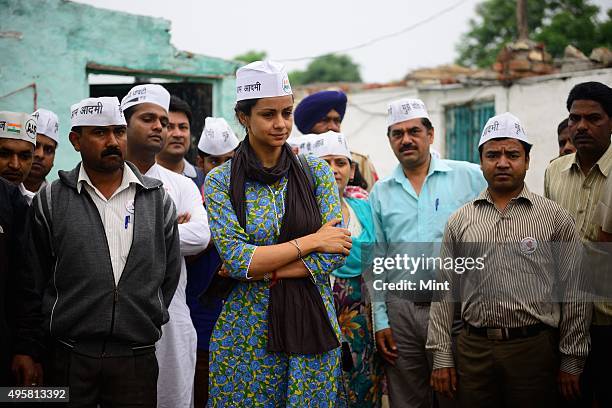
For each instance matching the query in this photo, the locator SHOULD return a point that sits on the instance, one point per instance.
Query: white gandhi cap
(505, 125)
(104, 111)
(18, 126)
(217, 137)
(147, 93)
(47, 124)
(262, 79)
(406, 109)
(329, 143)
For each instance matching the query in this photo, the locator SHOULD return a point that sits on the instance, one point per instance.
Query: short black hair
(179, 105)
(77, 129)
(424, 121)
(128, 113)
(526, 146)
(562, 126)
(592, 91)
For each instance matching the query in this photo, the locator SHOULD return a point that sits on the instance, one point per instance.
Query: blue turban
(315, 107)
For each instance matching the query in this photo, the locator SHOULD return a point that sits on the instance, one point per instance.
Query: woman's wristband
(295, 244)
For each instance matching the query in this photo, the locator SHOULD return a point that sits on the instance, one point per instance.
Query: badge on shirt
(129, 206)
(528, 245)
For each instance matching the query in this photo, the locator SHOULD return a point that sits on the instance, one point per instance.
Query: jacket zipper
(115, 290)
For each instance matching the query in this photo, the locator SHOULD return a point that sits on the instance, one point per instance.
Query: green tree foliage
(556, 23)
(251, 56)
(327, 68)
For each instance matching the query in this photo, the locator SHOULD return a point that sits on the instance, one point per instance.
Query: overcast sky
(224, 29)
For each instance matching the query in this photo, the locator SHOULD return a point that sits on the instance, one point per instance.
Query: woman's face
(343, 170)
(270, 122)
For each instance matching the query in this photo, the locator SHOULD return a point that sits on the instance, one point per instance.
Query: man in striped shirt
(576, 182)
(507, 353)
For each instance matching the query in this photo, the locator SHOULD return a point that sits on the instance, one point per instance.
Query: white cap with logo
(262, 79)
(406, 109)
(217, 137)
(147, 93)
(18, 126)
(104, 111)
(329, 143)
(505, 125)
(47, 124)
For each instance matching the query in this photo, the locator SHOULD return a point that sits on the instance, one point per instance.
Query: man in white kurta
(146, 110)
(176, 350)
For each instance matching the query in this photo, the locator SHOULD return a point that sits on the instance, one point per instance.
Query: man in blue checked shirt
(410, 209)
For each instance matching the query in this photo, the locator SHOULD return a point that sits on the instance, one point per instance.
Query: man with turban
(323, 111)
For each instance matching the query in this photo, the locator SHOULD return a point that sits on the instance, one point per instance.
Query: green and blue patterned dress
(242, 372)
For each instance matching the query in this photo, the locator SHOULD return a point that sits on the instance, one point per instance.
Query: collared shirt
(603, 212)
(43, 184)
(402, 216)
(531, 250)
(116, 214)
(28, 195)
(189, 170)
(566, 184)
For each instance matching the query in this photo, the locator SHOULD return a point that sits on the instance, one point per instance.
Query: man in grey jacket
(104, 250)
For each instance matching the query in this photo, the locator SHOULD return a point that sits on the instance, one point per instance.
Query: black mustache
(407, 147)
(111, 151)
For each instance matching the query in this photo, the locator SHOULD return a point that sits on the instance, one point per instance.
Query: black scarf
(297, 318)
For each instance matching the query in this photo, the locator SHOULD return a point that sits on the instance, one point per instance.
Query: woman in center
(275, 220)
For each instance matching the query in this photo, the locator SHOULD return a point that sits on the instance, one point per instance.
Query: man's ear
(74, 138)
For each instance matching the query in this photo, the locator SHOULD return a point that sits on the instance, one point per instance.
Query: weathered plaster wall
(51, 42)
(539, 103)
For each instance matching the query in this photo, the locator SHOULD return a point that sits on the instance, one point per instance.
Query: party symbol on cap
(286, 86)
(30, 128)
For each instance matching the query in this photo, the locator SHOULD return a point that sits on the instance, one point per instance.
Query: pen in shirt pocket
(127, 221)
(437, 203)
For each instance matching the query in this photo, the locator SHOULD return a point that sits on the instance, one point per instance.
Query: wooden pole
(521, 19)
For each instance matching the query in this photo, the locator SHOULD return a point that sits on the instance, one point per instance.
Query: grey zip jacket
(69, 259)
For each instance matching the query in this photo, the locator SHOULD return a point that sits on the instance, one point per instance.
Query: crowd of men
(102, 269)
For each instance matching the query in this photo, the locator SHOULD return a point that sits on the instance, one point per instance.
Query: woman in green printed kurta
(242, 371)
(351, 299)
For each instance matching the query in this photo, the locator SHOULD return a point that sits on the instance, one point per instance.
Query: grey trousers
(408, 379)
